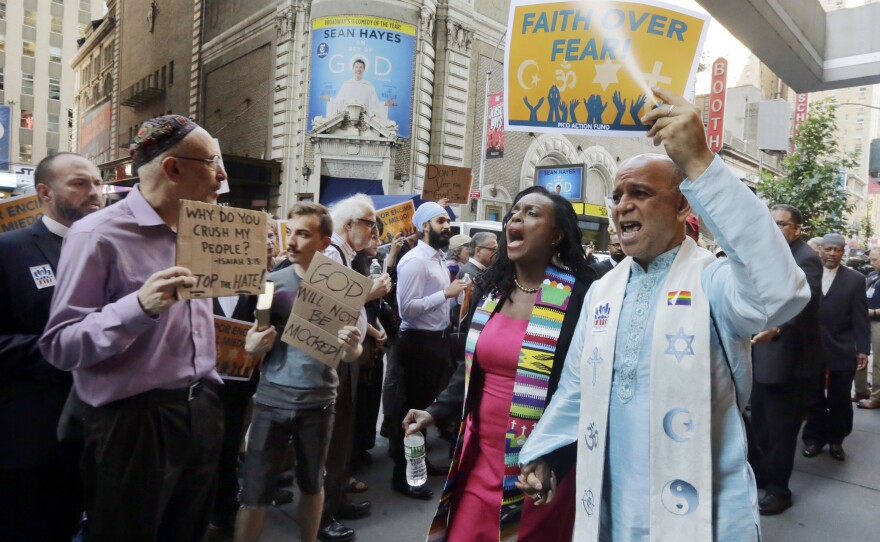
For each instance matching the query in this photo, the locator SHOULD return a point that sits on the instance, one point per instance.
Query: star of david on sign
(680, 338)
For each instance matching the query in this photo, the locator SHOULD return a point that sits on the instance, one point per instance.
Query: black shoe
(414, 492)
(353, 510)
(811, 450)
(773, 504)
(335, 532)
(434, 470)
(285, 479)
(836, 451)
(282, 497)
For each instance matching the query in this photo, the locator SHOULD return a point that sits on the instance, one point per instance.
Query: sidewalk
(833, 501)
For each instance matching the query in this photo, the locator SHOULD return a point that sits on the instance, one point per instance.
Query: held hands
(381, 287)
(159, 292)
(417, 420)
(350, 340)
(257, 343)
(862, 362)
(678, 125)
(456, 287)
(538, 482)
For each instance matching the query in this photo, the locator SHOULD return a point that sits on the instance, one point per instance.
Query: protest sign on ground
(224, 247)
(329, 298)
(233, 363)
(567, 61)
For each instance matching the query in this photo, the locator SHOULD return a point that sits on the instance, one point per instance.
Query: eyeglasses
(783, 224)
(370, 223)
(213, 162)
(493, 249)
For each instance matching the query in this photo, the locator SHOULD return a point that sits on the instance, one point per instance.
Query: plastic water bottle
(375, 268)
(414, 450)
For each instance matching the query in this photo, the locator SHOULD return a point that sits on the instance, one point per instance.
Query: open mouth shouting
(629, 229)
(515, 239)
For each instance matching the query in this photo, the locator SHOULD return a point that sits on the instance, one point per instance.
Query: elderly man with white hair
(423, 290)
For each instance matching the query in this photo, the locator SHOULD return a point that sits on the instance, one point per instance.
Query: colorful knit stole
(530, 388)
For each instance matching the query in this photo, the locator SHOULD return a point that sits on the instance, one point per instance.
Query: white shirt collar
(479, 266)
(429, 251)
(55, 227)
(349, 252)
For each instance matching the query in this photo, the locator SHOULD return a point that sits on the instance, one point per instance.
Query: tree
(814, 182)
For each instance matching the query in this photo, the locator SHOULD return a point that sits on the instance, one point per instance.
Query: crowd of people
(583, 400)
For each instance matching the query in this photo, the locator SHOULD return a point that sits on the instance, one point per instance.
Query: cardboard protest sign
(567, 62)
(20, 212)
(329, 298)
(397, 219)
(224, 247)
(451, 182)
(233, 363)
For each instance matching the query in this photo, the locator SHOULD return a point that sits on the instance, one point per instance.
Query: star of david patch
(680, 338)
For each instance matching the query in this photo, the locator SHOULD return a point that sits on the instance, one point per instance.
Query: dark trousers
(150, 465)
(235, 396)
(369, 396)
(777, 413)
(423, 357)
(41, 504)
(830, 415)
(339, 453)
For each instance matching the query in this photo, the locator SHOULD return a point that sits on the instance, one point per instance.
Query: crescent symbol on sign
(522, 68)
(668, 420)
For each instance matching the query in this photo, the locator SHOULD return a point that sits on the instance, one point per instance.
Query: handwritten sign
(397, 219)
(451, 182)
(20, 212)
(587, 67)
(224, 247)
(233, 362)
(330, 297)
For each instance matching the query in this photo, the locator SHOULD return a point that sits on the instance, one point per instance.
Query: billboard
(5, 134)
(587, 67)
(495, 126)
(94, 134)
(365, 60)
(567, 180)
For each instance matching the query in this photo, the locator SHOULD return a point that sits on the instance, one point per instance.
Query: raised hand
(679, 126)
(595, 109)
(637, 106)
(620, 104)
(572, 105)
(533, 110)
(553, 100)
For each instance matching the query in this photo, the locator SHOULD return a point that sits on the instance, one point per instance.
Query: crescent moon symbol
(668, 421)
(522, 68)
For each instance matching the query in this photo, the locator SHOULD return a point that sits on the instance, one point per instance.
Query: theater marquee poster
(365, 60)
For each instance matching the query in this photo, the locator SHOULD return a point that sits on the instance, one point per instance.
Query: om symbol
(592, 437)
(566, 76)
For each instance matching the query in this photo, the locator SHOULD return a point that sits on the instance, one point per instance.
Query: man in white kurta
(359, 90)
(757, 286)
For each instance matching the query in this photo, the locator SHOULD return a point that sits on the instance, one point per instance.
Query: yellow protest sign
(19, 212)
(587, 67)
(233, 362)
(397, 219)
(224, 247)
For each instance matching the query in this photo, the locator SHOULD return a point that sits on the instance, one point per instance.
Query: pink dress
(476, 502)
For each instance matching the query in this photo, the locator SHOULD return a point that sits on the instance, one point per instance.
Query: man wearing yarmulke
(142, 359)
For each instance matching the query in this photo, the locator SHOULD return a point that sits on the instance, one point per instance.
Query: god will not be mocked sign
(224, 247)
(330, 297)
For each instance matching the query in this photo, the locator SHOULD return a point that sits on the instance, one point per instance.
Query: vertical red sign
(801, 109)
(715, 128)
(495, 126)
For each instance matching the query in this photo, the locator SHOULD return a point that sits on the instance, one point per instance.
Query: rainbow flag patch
(679, 298)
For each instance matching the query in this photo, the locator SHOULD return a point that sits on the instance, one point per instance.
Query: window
(30, 17)
(2, 11)
(2, 81)
(27, 84)
(25, 153)
(57, 24)
(54, 54)
(54, 89)
(164, 74)
(171, 73)
(28, 48)
(54, 122)
(27, 119)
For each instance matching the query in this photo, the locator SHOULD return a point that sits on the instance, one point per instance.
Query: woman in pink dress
(528, 305)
